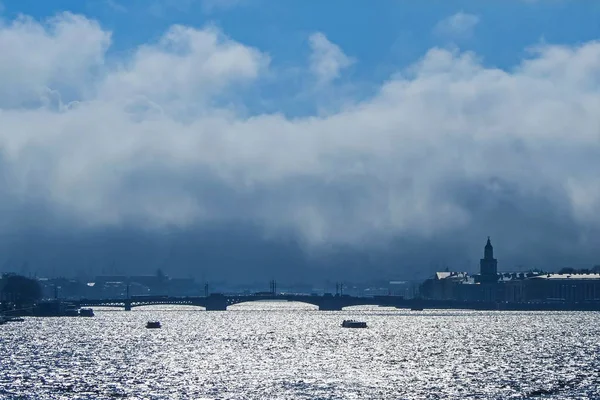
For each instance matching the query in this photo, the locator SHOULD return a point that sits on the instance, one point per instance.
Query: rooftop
(568, 276)
(450, 275)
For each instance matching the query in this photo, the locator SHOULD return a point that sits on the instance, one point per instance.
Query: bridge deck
(221, 302)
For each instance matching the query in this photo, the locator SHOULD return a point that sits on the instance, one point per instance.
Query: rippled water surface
(291, 351)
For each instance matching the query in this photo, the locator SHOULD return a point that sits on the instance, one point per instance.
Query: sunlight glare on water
(292, 351)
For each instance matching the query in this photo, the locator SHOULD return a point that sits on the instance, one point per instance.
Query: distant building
(575, 287)
(63, 288)
(112, 286)
(406, 289)
(445, 285)
(488, 285)
(488, 265)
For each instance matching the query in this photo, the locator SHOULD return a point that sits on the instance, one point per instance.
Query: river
(292, 351)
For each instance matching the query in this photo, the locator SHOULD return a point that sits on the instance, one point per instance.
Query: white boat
(350, 323)
(153, 325)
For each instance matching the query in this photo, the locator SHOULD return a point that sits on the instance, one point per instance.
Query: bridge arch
(220, 302)
(367, 307)
(189, 306)
(274, 304)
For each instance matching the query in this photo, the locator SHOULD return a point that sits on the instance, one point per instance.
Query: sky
(255, 139)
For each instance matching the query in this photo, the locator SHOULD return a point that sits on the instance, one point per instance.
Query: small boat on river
(153, 325)
(350, 323)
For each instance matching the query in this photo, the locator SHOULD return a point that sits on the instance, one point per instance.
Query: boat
(86, 312)
(350, 323)
(14, 319)
(153, 325)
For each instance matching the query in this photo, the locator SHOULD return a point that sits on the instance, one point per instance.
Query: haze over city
(247, 140)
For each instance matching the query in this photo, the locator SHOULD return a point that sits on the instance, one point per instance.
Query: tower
(488, 265)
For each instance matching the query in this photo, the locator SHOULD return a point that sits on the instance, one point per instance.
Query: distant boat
(350, 323)
(86, 312)
(153, 325)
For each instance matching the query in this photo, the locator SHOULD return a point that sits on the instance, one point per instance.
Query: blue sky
(350, 123)
(382, 35)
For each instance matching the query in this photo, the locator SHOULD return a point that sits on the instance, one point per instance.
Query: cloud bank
(446, 152)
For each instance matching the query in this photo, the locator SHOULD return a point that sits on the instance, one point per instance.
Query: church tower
(488, 265)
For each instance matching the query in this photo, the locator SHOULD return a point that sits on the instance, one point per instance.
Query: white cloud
(186, 67)
(448, 146)
(459, 25)
(64, 53)
(327, 59)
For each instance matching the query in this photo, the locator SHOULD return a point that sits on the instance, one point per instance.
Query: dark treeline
(17, 291)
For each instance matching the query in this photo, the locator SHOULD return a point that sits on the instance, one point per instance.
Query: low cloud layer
(158, 139)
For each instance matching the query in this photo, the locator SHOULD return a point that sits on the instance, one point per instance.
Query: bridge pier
(215, 302)
(328, 307)
(216, 308)
(331, 304)
(127, 305)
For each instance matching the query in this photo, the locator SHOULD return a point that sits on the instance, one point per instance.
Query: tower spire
(489, 250)
(488, 264)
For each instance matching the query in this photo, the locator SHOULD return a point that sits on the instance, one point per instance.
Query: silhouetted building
(488, 265)
(488, 285)
(63, 288)
(140, 285)
(445, 285)
(572, 287)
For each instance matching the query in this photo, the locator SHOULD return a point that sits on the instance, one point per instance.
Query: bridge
(220, 302)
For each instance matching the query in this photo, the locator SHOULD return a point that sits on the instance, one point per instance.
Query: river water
(292, 351)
